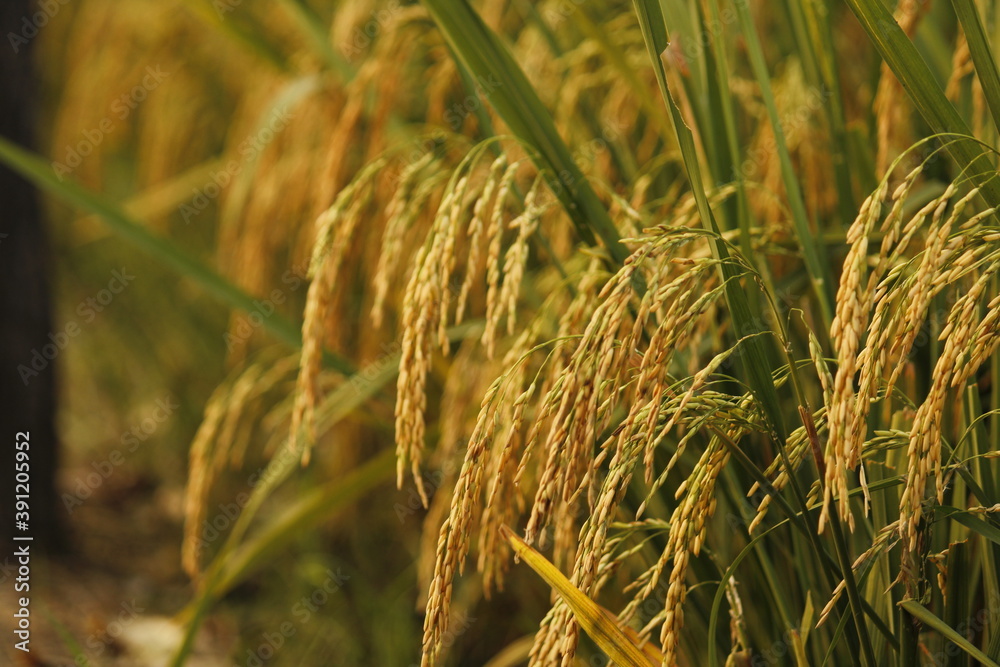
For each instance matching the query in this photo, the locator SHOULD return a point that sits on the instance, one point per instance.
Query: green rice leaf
(925, 616)
(987, 530)
(817, 264)
(982, 55)
(38, 172)
(924, 91)
(761, 383)
(509, 92)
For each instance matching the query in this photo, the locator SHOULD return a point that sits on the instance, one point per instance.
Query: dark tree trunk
(27, 400)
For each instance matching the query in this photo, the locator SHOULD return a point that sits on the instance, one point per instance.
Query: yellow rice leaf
(621, 644)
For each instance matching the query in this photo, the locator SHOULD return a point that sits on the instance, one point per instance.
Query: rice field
(570, 333)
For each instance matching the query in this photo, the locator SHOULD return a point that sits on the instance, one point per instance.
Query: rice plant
(691, 306)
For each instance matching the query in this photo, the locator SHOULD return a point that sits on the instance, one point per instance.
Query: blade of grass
(924, 91)
(988, 531)
(516, 101)
(727, 119)
(780, 595)
(352, 394)
(718, 85)
(798, 520)
(761, 384)
(304, 516)
(39, 173)
(67, 639)
(311, 511)
(981, 479)
(821, 31)
(805, 47)
(982, 55)
(686, 48)
(720, 593)
(853, 594)
(817, 264)
(960, 591)
(159, 200)
(722, 160)
(925, 616)
(761, 381)
(838, 633)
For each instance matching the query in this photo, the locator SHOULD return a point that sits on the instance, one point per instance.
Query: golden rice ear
(621, 644)
(335, 228)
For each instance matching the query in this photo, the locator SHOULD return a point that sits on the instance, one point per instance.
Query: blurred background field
(226, 128)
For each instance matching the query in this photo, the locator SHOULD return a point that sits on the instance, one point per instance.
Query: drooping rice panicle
(334, 231)
(475, 232)
(400, 213)
(453, 542)
(494, 232)
(953, 369)
(849, 324)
